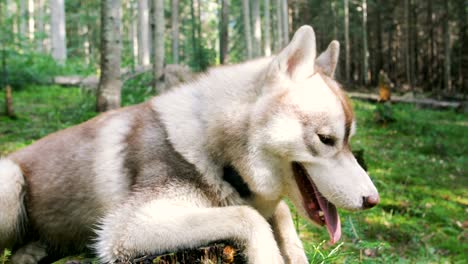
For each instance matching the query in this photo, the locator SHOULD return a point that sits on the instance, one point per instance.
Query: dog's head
(306, 122)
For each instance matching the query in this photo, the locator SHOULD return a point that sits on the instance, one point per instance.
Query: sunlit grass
(417, 162)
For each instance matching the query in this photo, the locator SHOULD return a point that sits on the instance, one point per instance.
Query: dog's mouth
(319, 209)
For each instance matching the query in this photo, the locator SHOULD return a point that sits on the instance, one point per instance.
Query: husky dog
(207, 161)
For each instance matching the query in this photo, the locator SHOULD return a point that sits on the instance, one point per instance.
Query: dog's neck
(233, 177)
(216, 110)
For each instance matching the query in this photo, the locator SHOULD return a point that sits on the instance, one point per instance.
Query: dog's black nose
(370, 201)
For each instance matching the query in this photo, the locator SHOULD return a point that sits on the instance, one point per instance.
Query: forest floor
(418, 163)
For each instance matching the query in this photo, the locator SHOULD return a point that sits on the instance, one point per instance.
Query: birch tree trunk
(267, 28)
(143, 33)
(279, 26)
(11, 9)
(365, 51)
(31, 26)
(224, 32)
(195, 46)
(285, 23)
(247, 30)
(40, 24)
(158, 42)
(175, 31)
(57, 30)
(134, 32)
(23, 11)
(347, 47)
(108, 92)
(257, 29)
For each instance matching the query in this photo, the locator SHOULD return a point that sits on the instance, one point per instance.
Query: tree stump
(10, 112)
(384, 87)
(218, 253)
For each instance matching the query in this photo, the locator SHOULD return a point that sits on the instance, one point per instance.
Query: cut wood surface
(219, 253)
(174, 74)
(93, 80)
(422, 102)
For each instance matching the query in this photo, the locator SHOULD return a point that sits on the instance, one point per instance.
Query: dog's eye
(327, 140)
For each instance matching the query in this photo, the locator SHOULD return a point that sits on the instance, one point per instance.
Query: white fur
(248, 94)
(111, 184)
(342, 180)
(258, 117)
(12, 187)
(329, 58)
(200, 107)
(290, 245)
(160, 226)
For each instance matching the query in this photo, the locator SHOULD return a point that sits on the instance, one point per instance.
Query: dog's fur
(155, 177)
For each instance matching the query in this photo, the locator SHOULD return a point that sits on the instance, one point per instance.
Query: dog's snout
(370, 201)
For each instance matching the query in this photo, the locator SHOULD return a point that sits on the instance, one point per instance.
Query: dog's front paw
(262, 248)
(297, 257)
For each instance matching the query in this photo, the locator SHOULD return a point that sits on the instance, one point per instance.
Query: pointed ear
(328, 60)
(298, 58)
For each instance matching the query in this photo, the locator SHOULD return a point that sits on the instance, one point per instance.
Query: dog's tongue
(332, 219)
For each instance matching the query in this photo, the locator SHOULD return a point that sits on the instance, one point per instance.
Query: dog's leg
(159, 226)
(12, 212)
(286, 236)
(31, 253)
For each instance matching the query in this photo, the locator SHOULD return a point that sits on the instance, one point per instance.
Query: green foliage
(418, 163)
(26, 68)
(317, 254)
(137, 89)
(383, 113)
(4, 256)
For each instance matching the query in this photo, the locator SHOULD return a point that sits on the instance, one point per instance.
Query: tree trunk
(23, 14)
(279, 27)
(40, 24)
(11, 10)
(380, 51)
(267, 28)
(365, 51)
(247, 30)
(134, 32)
(414, 63)
(333, 12)
(57, 30)
(224, 32)
(143, 33)
(158, 42)
(463, 72)
(108, 93)
(447, 50)
(194, 32)
(347, 46)
(10, 112)
(175, 31)
(257, 29)
(408, 44)
(285, 23)
(31, 26)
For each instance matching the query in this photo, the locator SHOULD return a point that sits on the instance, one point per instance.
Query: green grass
(417, 162)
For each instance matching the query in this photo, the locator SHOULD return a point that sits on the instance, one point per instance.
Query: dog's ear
(298, 58)
(328, 60)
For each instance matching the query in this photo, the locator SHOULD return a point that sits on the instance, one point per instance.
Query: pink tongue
(332, 218)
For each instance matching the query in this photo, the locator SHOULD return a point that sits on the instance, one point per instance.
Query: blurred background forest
(60, 60)
(421, 45)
